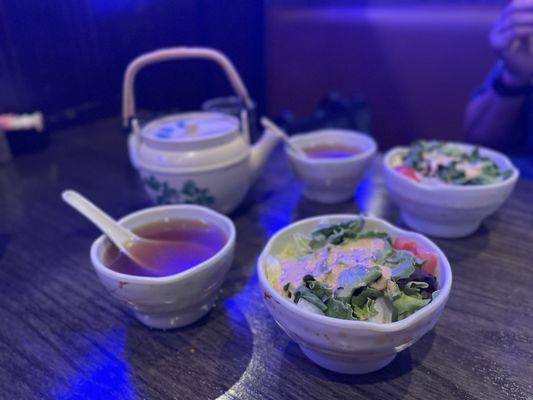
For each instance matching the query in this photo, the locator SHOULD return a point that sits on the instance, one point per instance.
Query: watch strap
(505, 90)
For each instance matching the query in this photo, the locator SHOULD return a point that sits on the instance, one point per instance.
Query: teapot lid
(191, 130)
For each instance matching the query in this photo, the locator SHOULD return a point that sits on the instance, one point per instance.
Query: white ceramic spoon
(268, 124)
(146, 253)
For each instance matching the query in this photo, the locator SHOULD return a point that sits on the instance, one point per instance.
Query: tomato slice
(430, 266)
(404, 244)
(409, 172)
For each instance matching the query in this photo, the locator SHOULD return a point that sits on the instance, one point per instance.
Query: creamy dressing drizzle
(436, 159)
(327, 263)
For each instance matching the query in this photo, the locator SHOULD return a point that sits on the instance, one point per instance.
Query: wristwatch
(505, 90)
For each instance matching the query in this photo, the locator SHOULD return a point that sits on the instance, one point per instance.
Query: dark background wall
(67, 57)
(71, 54)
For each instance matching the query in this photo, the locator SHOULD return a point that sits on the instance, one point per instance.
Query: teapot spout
(261, 150)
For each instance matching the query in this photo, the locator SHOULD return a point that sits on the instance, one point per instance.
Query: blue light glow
(103, 375)
(110, 7)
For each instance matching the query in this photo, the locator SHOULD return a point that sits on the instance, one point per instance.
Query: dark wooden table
(62, 336)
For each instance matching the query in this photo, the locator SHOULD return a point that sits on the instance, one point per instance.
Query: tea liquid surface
(195, 241)
(331, 150)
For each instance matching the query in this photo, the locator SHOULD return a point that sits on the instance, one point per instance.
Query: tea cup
(331, 180)
(176, 300)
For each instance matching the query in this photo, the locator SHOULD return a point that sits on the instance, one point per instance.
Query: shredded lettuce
(272, 269)
(364, 289)
(317, 288)
(303, 303)
(297, 247)
(367, 293)
(305, 293)
(338, 233)
(367, 311)
(301, 244)
(385, 311)
(412, 288)
(407, 305)
(422, 154)
(338, 309)
(355, 277)
(403, 263)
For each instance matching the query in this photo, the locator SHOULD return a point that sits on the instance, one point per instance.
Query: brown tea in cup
(196, 241)
(331, 150)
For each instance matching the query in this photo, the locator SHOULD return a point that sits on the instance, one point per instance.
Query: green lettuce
(385, 311)
(413, 288)
(272, 269)
(417, 158)
(407, 305)
(338, 309)
(304, 304)
(353, 278)
(402, 262)
(317, 288)
(338, 233)
(303, 292)
(367, 311)
(367, 293)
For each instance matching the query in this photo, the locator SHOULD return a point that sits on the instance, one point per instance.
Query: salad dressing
(344, 272)
(328, 262)
(435, 160)
(439, 163)
(471, 170)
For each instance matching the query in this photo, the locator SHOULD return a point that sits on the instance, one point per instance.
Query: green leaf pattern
(189, 193)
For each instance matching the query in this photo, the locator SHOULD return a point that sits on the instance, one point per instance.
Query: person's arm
(490, 116)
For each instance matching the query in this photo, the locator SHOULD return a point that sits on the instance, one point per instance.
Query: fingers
(517, 13)
(514, 23)
(504, 40)
(517, 19)
(518, 6)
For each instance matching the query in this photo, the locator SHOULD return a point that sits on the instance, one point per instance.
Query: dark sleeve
(486, 85)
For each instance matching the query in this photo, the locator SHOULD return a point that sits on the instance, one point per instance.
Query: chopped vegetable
(409, 172)
(434, 162)
(344, 271)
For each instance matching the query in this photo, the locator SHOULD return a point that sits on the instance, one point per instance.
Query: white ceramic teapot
(196, 157)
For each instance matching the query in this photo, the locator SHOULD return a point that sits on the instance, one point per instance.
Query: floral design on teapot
(189, 193)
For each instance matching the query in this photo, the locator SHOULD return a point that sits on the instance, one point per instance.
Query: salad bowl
(346, 345)
(447, 210)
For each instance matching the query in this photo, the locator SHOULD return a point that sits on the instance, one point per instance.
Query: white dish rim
(353, 136)
(449, 187)
(119, 276)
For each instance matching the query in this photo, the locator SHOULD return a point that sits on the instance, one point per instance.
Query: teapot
(197, 157)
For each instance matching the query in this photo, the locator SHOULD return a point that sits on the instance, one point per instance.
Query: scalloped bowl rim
(433, 306)
(454, 188)
(98, 244)
(354, 136)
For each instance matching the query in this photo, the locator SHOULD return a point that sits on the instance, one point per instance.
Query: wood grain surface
(63, 337)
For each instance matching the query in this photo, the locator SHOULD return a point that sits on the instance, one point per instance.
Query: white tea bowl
(176, 300)
(447, 211)
(331, 180)
(346, 346)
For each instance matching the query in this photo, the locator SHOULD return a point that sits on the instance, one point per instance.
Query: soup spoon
(147, 253)
(268, 124)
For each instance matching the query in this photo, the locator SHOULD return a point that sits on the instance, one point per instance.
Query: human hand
(512, 38)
